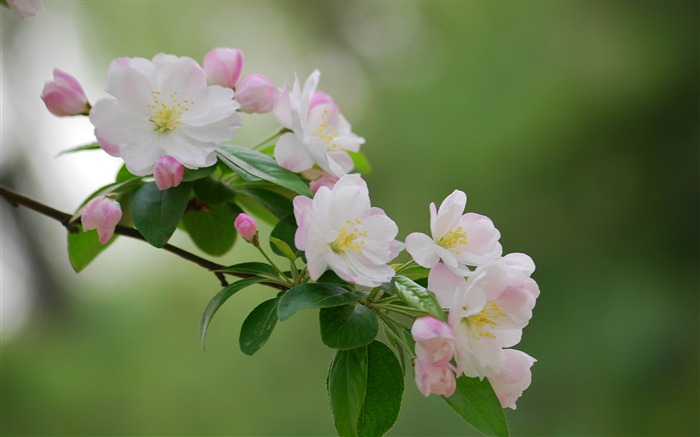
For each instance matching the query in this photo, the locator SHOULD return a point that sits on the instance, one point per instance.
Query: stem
(269, 138)
(17, 199)
(408, 264)
(273, 264)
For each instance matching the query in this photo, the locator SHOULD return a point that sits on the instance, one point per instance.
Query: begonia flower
(256, 93)
(320, 134)
(435, 379)
(64, 96)
(513, 379)
(164, 107)
(223, 66)
(340, 230)
(26, 8)
(247, 227)
(168, 172)
(434, 340)
(102, 213)
(459, 240)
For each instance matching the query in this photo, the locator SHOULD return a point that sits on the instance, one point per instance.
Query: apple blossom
(434, 340)
(256, 93)
(223, 66)
(102, 213)
(168, 172)
(435, 379)
(513, 379)
(64, 96)
(320, 134)
(247, 227)
(458, 240)
(26, 8)
(339, 229)
(325, 180)
(164, 107)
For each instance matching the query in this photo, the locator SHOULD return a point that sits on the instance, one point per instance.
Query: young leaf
(93, 146)
(212, 192)
(258, 326)
(211, 230)
(348, 326)
(283, 248)
(284, 230)
(414, 272)
(314, 295)
(252, 268)
(347, 384)
(218, 300)
(417, 297)
(382, 401)
(277, 204)
(124, 174)
(83, 247)
(360, 161)
(476, 402)
(156, 213)
(261, 166)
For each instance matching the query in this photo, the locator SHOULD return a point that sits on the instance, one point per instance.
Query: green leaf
(115, 187)
(283, 248)
(314, 295)
(382, 401)
(285, 230)
(93, 146)
(347, 384)
(212, 192)
(199, 173)
(275, 203)
(417, 297)
(261, 166)
(258, 326)
(83, 247)
(218, 300)
(211, 230)
(414, 272)
(476, 402)
(156, 213)
(252, 268)
(360, 161)
(348, 326)
(124, 174)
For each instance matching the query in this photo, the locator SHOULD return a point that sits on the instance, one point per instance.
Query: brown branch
(17, 199)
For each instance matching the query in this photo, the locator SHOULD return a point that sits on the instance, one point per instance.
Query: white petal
(291, 154)
(422, 249)
(445, 284)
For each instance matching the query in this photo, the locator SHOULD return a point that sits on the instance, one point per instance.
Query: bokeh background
(573, 125)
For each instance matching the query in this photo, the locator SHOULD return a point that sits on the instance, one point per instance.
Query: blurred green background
(573, 125)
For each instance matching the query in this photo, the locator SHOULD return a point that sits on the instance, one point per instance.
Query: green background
(573, 125)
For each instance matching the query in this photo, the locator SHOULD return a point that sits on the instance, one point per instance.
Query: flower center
(486, 320)
(456, 237)
(326, 134)
(349, 240)
(166, 118)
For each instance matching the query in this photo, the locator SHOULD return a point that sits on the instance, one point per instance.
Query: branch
(16, 199)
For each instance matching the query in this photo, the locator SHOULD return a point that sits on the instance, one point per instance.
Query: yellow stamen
(166, 118)
(348, 241)
(486, 320)
(456, 237)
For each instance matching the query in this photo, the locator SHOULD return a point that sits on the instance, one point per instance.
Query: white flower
(320, 134)
(458, 240)
(339, 229)
(163, 107)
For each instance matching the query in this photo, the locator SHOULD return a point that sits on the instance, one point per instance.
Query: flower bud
(432, 379)
(223, 66)
(26, 8)
(64, 96)
(102, 213)
(256, 93)
(435, 340)
(247, 227)
(168, 172)
(326, 180)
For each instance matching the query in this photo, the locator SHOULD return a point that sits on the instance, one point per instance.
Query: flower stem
(269, 138)
(282, 275)
(408, 265)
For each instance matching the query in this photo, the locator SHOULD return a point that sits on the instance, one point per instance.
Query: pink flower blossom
(432, 379)
(514, 378)
(26, 8)
(256, 93)
(434, 340)
(325, 180)
(102, 213)
(247, 227)
(223, 66)
(64, 96)
(168, 172)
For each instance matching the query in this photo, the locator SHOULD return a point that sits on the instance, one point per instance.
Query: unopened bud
(168, 172)
(64, 96)
(223, 66)
(102, 213)
(256, 93)
(247, 227)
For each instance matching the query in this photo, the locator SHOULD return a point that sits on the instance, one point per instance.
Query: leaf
(211, 230)
(347, 384)
(283, 248)
(258, 326)
(252, 268)
(285, 230)
(156, 213)
(124, 174)
(218, 300)
(417, 297)
(348, 326)
(382, 402)
(93, 146)
(314, 295)
(361, 163)
(476, 402)
(275, 203)
(199, 173)
(261, 166)
(212, 192)
(83, 248)
(414, 272)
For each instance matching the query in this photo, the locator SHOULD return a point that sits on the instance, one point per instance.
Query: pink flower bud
(64, 96)
(438, 380)
(325, 180)
(256, 93)
(512, 380)
(102, 213)
(168, 172)
(26, 8)
(435, 340)
(247, 227)
(223, 66)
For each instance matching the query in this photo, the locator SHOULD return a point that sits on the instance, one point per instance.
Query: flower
(325, 180)
(64, 96)
(163, 107)
(256, 93)
(439, 380)
(434, 340)
(339, 229)
(512, 380)
(223, 66)
(26, 8)
(168, 172)
(320, 134)
(101, 213)
(458, 240)
(247, 227)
